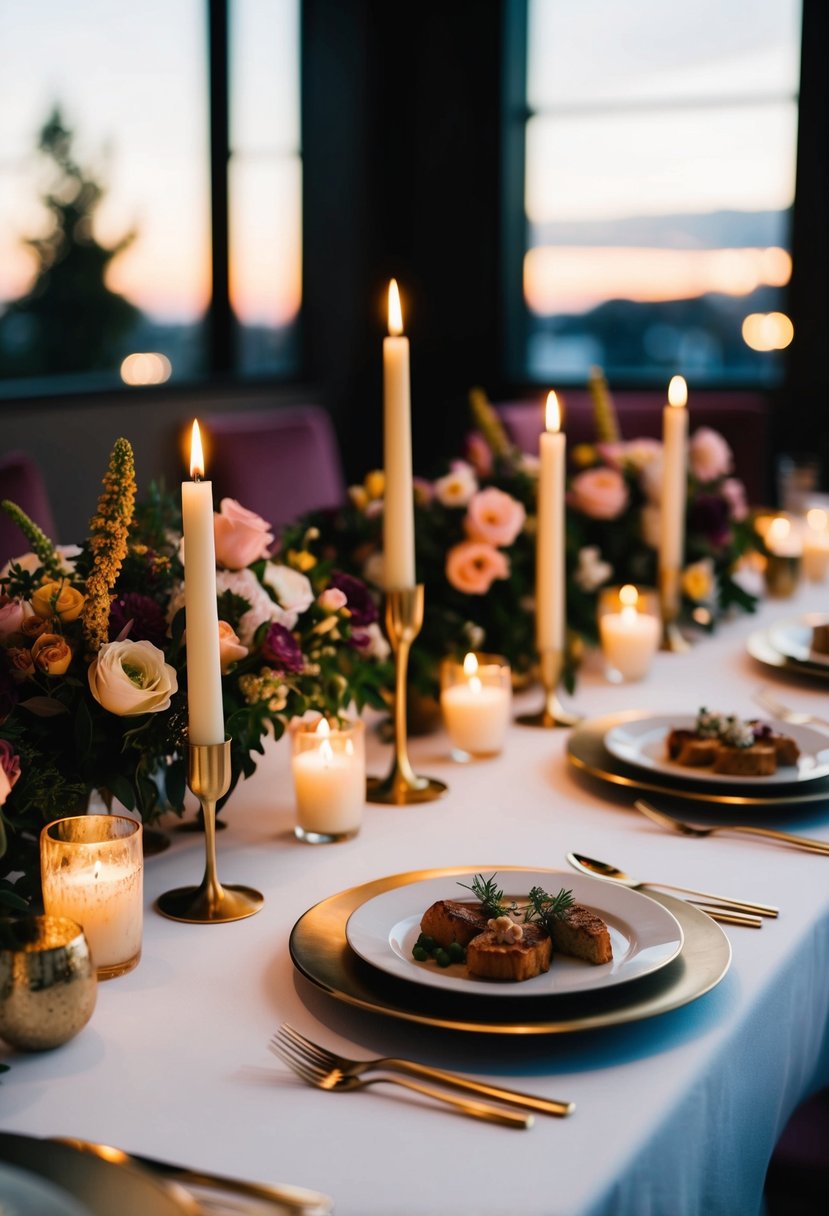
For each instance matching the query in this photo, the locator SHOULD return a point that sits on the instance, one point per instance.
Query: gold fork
(322, 1077)
(693, 829)
(778, 710)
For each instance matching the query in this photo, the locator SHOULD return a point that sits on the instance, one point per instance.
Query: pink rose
(493, 517)
(242, 536)
(734, 493)
(709, 456)
(599, 493)
(472, 567)
(12, 614)
(9, 769)
(231, 649)
(332, 599)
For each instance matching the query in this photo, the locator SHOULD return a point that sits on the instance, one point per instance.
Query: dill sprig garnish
(490, 895)
(544, 909)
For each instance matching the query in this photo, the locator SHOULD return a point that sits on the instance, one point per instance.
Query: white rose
(245, 584)
(130, 678)
(291, 588)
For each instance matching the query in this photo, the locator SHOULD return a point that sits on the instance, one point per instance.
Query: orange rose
(51, 654)
(33, 627)
(20, 660)
(58, 598)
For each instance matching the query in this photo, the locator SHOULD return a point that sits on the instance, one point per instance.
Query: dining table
(680, 1090)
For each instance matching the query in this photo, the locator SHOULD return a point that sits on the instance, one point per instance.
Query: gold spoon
(608, 873)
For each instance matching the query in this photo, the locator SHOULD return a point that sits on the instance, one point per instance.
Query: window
(660, 148)
(112, 278)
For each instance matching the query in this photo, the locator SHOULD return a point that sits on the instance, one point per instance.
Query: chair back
(279, 463)
(21, 482)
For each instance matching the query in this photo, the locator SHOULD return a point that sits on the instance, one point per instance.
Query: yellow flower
(358, 496)
(51, 654)
(583, 455)
(698, 580)
(375, 483)
(58, 598)
(300, 559)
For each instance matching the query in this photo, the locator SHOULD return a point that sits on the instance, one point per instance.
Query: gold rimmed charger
(320, 952)
(761, 647)
(587, 752)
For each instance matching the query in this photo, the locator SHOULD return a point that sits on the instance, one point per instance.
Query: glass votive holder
(329, 770)
(629, 630)
(816, 546)
(48, 984)
(784, 563)
(92, 871)
(476, 703)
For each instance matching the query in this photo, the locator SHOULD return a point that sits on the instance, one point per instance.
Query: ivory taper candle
(204, 679)
(398, 513)
(550, 540)
(674, 477)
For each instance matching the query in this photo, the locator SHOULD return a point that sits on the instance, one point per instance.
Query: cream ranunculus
(130, 678)
(292, 589)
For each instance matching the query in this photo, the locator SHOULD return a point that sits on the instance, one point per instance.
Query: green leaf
(44, 707)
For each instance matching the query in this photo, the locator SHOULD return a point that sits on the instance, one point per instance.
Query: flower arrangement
(93, 659)
(475, 526)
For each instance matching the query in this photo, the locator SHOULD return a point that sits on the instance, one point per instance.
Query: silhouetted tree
(69, 320)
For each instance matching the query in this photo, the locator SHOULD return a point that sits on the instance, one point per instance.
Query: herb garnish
(544, 909)
(491, 897)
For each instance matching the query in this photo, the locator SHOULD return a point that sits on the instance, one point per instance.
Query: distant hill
(713, 230)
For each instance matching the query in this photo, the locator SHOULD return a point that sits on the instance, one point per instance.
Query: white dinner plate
(793, 638)
(642, 743)
(645, 936)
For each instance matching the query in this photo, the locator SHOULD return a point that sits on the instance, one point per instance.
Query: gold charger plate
(320, 953)
(101, 1187)
(761, 648)
(586, 751)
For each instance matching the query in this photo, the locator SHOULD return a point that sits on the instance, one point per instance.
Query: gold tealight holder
(669, 601)
(782, 574)
(208, 776)
(404, 619)
(552, 713)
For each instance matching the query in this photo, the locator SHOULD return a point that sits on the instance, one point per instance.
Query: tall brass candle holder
(404, 618)
(553, 713)
(208, 775)
(669, 598)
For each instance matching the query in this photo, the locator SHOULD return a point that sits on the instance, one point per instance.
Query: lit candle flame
(553, 413)
(395, 311)
(779, 529)
(677, 392)
(323, 731)
(196, 454)
(470, 665)
(628, 596)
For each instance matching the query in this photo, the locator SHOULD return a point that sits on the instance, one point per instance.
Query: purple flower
(280, 648)
(360, 604)
(148, 622)
(708, 516)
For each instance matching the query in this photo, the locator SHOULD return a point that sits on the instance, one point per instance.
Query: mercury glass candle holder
(329, 771)
(48, 983)
(92, 871)
(476, 702)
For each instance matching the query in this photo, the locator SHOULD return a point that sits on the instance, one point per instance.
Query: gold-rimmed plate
(320, 953)
(587, 752)
(761, 647)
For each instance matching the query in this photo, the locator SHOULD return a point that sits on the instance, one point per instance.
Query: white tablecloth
(675, 1115)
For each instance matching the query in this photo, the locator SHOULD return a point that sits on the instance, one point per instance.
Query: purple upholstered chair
(279, 463)
(22, 482)
(742, 418)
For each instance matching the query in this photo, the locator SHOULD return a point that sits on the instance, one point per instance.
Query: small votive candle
(785, 557)
(476, 702)
(816, 546)
(329, 771)
(629, 631)
(92, 871)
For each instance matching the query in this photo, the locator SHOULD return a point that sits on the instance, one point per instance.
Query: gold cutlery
(293, 1200)
(326, 1060)
(608, 873)
(778, 710)
(332, 1078)
(727, 917)
(693, 829)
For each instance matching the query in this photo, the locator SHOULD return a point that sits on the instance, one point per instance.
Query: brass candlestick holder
(208, 775)
(553, 713)
(404, 618)
(669, 598)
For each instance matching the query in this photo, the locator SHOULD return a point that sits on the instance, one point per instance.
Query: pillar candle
(204, 678)
(550, 539)
(398, 514)
(674, 477)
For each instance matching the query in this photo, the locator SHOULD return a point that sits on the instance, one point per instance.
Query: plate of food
(713, 748)
(805, 639)
(532, 934)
